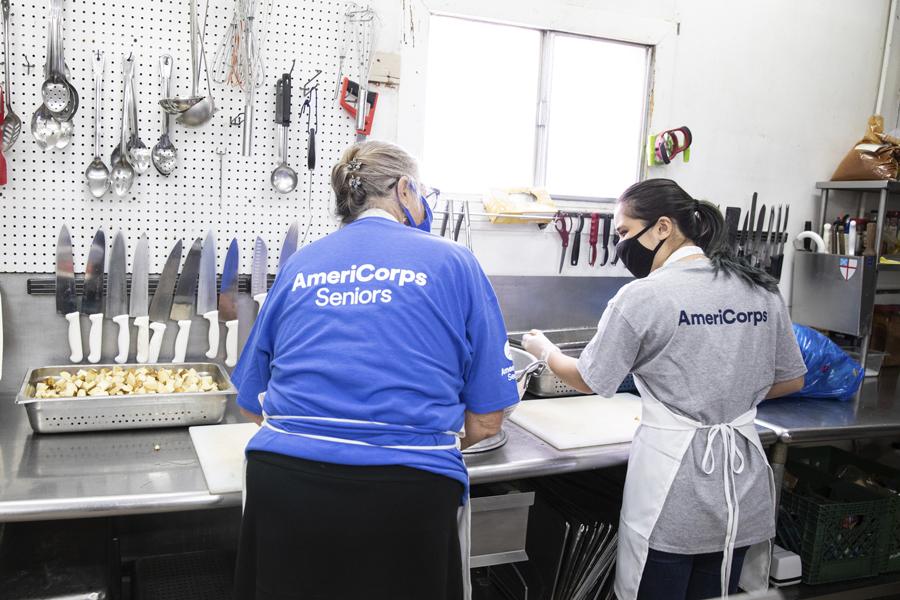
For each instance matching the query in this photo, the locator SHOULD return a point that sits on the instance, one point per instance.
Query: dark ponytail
(700, 221)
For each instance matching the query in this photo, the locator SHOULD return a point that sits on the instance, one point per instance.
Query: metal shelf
(861, 186)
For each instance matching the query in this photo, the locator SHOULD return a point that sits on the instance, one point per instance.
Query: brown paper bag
(873, 157)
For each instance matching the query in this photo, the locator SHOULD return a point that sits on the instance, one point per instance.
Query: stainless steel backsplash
(35, 336)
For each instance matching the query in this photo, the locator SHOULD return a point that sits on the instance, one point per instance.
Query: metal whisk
(239, 59)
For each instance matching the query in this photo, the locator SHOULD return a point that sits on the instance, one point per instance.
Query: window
(511, 106)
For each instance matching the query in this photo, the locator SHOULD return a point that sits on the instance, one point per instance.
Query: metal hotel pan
(571, 341)
(137, 411)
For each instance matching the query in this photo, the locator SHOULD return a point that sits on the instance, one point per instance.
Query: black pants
(321, 531)
(687, 576)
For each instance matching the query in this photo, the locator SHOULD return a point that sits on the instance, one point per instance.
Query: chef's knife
(65, 293)
(183, 305)
(748, 242)
(161, 306)
(138, 309)
(732, 221)
(607, 225)
(259, 272)
(207, 303)
(779, 262)
(117, 295)
(228, 303)
(742, 241)
(776, 237)
(92, 301)
(289, 247)
(767, 241)
(757, 237)
(787, 210)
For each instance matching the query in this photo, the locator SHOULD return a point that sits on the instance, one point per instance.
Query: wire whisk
(239, 58)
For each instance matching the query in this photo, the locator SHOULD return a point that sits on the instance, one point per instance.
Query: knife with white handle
(92, 301)
(228, 303)
(231, 343)
(117, 296)
(207, 306)
(183, 306)
(138, 308)
(161, 306)
(65, 293)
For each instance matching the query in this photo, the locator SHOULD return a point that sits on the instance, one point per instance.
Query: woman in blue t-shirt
(375, 346)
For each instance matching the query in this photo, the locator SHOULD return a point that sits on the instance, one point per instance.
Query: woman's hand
(253, 417)
(537, 344)
(565, 367)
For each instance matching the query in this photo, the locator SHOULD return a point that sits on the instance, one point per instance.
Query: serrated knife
(117, 295)
(183, 305)
(140, 298)
(92, 301)
(207, 301)
(66, 300)
(228, 302)
(161, 306)
(259, 272)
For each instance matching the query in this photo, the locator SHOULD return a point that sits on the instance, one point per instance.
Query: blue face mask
(425, 225)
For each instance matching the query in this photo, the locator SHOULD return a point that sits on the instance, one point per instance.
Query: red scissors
(563, 227)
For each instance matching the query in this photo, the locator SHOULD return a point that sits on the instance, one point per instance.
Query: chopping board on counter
(580, 421)
(220, 449)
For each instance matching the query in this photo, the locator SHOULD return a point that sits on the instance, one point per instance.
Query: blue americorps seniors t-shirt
(377, 322)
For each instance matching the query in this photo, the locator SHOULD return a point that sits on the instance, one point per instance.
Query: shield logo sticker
(848, 267)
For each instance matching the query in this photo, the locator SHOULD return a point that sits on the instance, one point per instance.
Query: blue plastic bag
(831, 373)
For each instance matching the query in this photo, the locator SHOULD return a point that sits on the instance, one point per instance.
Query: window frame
(542, 111)
(543, 124)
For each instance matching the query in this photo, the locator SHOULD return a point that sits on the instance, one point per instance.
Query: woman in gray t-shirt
(707, 338)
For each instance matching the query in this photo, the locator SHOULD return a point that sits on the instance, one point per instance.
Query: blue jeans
(687, 576)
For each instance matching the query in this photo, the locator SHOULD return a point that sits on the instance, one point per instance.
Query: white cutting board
(580, 421)
(220, 449)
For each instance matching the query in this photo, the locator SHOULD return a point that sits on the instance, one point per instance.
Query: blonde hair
(368, 170)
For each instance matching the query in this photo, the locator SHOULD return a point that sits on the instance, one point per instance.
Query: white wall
(774, 92)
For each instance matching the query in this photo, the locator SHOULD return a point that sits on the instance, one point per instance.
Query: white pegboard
(47, 187)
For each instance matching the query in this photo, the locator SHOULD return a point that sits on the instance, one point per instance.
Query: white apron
(657, 451)
(463, 514)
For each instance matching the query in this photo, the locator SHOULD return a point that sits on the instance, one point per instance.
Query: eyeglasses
(428, 192)
(433, 193)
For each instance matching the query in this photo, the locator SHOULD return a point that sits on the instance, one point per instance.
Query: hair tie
(354, 165)
(696, 206)
(355, 182)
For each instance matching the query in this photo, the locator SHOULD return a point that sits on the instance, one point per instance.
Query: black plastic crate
(842, 527)
(831, 460)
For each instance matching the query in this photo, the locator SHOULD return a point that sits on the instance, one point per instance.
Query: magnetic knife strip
(46, 286)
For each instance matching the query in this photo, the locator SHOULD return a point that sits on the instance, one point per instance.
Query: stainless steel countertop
(876, 413)
(76, 475)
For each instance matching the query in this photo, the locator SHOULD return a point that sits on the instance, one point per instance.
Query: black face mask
(635, 256)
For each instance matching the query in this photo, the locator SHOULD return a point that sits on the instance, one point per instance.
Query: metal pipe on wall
(888, 45)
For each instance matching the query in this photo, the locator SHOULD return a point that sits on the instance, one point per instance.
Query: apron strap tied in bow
(733, 464)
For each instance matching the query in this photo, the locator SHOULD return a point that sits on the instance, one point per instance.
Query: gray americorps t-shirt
(709, 347)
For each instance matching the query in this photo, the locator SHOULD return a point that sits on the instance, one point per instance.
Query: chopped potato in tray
(124, 381)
